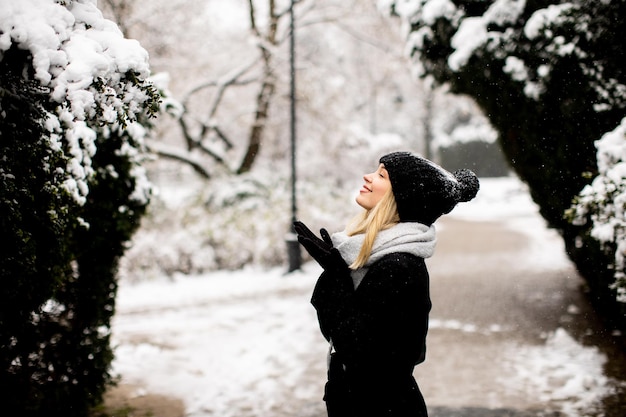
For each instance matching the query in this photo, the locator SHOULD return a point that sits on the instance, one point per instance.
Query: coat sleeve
(384, 322)
(330, 295)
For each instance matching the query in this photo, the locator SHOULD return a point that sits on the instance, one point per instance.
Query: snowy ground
(246, 343)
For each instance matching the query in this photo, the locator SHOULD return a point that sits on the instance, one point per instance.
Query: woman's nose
(367, 177)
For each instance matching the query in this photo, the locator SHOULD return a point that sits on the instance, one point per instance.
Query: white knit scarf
(414, 238)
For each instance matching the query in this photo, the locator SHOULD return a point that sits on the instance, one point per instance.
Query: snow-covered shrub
(75, 106)
(604, 203)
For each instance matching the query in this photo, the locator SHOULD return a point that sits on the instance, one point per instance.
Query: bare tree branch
(181, 156)
(253, 26)
(208, 126)
(197, 143)
(220, 134)
(232, 78)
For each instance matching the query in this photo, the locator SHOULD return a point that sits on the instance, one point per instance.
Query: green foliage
(35, 224)
(549, 117)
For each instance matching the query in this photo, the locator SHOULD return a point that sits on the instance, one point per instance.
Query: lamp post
(293, 247)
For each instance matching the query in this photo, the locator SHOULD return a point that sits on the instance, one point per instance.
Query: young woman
(372, 299)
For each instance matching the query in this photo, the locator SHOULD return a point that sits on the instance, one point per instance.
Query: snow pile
(561, 372)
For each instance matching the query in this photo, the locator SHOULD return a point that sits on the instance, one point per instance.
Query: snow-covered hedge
(603, 202)
(92, 73)
(75, 106)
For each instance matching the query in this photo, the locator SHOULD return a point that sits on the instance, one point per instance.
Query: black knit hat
(423, 190)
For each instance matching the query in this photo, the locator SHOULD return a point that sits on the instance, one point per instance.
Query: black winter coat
(378, 332)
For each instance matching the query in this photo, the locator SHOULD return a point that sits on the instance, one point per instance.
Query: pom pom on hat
(468, 184)
(423, 190)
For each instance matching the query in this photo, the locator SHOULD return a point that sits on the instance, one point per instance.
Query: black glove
(321, 250)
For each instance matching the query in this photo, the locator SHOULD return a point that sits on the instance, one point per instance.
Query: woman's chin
(360, 201)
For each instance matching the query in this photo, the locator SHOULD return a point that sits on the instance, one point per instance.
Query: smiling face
(376, 185)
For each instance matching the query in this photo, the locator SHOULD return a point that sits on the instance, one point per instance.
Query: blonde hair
(370, 222)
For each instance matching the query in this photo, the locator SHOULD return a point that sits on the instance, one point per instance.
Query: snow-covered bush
(75, 106)
(603, 202)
